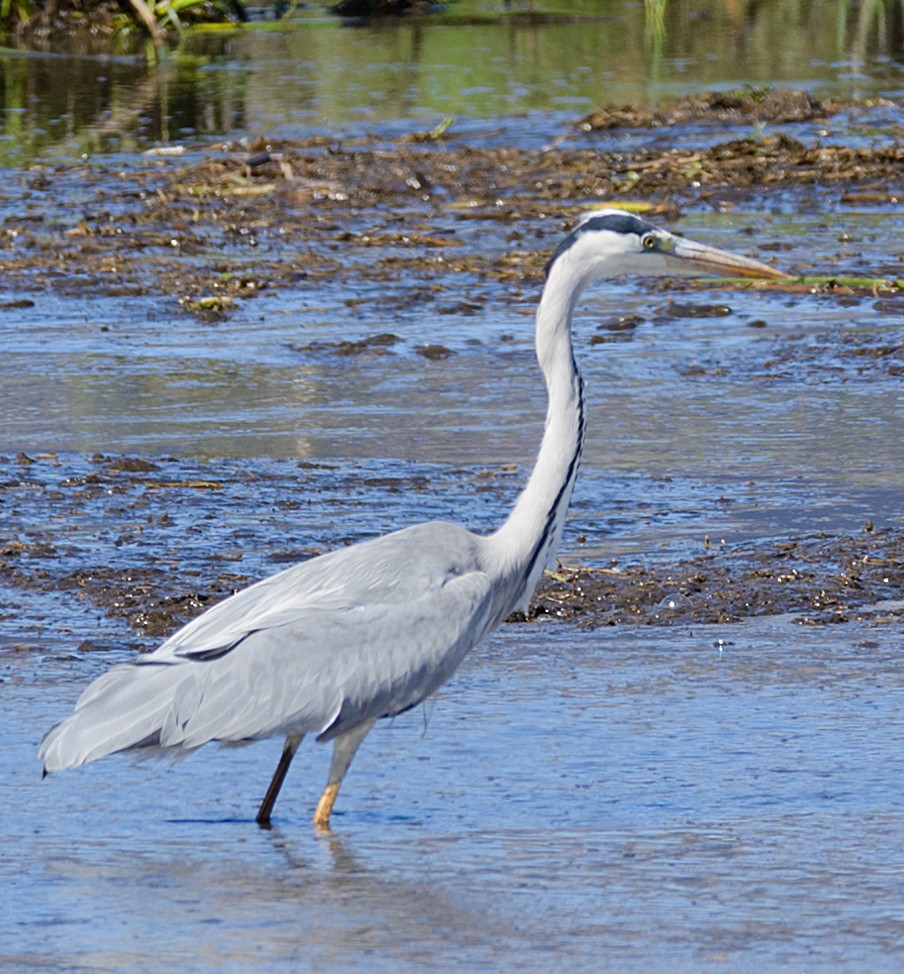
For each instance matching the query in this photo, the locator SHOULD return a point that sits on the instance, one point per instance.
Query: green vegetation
(156, 17)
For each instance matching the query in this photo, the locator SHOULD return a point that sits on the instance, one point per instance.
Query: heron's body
(265, 661)
(333, 644)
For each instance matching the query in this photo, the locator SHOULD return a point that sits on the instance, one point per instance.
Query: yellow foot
(325, 806)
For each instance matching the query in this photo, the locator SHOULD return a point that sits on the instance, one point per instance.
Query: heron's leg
(344, 749)
(279, 775)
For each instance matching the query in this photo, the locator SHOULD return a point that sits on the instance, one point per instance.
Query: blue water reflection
(656, 800)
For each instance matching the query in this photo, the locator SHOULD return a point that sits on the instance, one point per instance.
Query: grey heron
(331, 645)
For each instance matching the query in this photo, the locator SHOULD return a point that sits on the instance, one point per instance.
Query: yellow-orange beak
(688, 255)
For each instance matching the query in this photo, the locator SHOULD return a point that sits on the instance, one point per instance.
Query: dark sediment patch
(241, 221)
(821, 579)
(122, 535)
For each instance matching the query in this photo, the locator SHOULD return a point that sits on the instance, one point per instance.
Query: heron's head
(610, 243)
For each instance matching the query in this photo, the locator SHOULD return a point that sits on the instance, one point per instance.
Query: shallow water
(697, 425)
(608, 800)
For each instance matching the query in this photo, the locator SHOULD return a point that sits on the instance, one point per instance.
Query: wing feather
(359, 633)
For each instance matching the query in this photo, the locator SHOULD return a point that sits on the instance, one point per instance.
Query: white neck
(526, 544)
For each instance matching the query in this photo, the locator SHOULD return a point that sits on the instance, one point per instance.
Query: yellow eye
(648, 241)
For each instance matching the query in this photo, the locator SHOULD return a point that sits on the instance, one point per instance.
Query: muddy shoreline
(241, 221)
(114, 536)
(216, 229)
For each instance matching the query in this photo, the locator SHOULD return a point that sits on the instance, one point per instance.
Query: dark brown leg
(291, 746)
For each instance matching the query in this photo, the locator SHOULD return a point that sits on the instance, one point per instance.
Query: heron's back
(361, 632)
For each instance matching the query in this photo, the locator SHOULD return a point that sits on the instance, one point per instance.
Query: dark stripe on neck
(541, 549)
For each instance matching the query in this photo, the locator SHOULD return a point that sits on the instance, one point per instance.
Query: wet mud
(139, 546)
(822, 579)
(244, 220)
(209, 231)
(120, 537)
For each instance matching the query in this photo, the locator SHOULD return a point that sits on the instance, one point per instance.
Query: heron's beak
(687, 255)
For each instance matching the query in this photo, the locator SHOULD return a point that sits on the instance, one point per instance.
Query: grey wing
(362, 632)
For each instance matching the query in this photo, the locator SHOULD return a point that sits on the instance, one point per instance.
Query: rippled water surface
(606, 801)
(696, 426)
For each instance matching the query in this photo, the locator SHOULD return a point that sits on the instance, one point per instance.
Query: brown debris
(116, 542)
(245, 221)
(824, 579)
(782, 105)
(214, 232)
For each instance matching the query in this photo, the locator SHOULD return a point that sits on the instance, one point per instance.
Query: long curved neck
(528, 540)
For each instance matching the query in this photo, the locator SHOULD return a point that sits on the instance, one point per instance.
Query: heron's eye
(648, 241)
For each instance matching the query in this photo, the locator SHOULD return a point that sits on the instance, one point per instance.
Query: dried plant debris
(119, 536)
(240, 221)
(744, 105)
(821, 579)
(212, 230)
